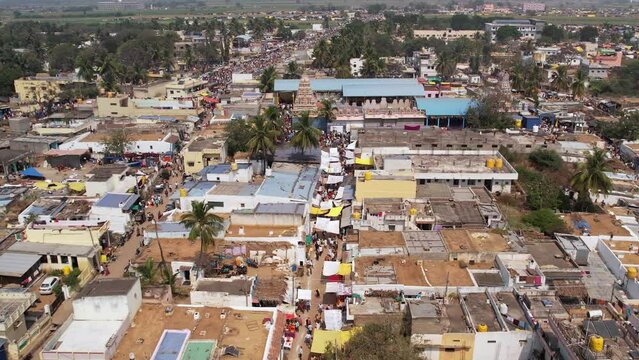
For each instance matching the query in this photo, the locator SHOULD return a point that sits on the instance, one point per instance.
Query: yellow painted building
(64, 232)
(203, 152)
(382, 188)
(40, 87)
(116, 105)
(457, 346)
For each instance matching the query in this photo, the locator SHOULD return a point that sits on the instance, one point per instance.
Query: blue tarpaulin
(32, 172)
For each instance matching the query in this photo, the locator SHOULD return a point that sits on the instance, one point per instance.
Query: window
(471, 182)
(391, 227)
(138, 146)
(214, 204)
(479, 146)
(64, 259)
(418, 145)
(449, 145)
(242, 205)
(44, 259)
(434, 145)
(190, 163)
(510, 146)
(151, 147)
(464, 146)
(422, 181)
(54, 259)
(491, 341)
(456, 182)
(528, 146)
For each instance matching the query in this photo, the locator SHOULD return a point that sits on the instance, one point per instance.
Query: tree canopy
(588, 33)
(545, 220)
(375, 342)
(486, 113)
(117, 143)
(546, 159)
(626, 128)
(506, 33)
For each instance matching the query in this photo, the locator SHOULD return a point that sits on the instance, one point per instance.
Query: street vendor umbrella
(32, 173)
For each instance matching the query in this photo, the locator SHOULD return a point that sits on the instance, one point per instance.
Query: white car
(48, 284)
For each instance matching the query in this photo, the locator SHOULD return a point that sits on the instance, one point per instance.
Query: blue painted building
(445, 112)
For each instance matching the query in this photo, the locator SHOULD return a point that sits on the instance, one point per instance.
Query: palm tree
(110, 73)
(578, 86)
(590, 175)
(561, 81)
(262, 140)
(86, 71)
(306, 136)
(272, 114)
(147, 272)
(204, 225)
(446, 64)
(326, 110)
(267, 79)
(517, 77)
(293, 71)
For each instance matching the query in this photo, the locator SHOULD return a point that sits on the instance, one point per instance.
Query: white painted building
(357, 64)
(529, 29)
(233, 292)
(140, 143)
(448, 34)
(115, 208)
(102, 313)
(111, 178)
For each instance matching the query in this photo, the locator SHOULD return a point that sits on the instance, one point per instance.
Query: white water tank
(503, 309)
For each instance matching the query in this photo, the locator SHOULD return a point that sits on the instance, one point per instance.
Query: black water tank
(3, 349)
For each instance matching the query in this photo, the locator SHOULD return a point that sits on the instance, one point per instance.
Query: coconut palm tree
(203, 225)
(262, 140)
(517, 77)
(86, 71)
(110, 73)
(590, 175)
(446, 64)
(306, 136)
(147, 272)
(293, 70)
(578, 86)
(561, 82)
(325, 109)
(272, 114)
(267, 79)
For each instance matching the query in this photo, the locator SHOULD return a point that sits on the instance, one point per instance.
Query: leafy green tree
(237, 136)
(375, 342)
(375, 8)
(486, 113)
(116, 143)
(590, 175)
(261, 143)
(506, 33)
(546, 159)
(61, 57)
(306, 135)
(626, 128)
(541, 191)
(203, 225)
(267, 79)
(322, 55)
(553, 33)
(545, 220)
(272, 115)
(110, 73)
(588, 33)
(8, 74)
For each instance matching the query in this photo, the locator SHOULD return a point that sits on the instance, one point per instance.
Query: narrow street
(126, 252)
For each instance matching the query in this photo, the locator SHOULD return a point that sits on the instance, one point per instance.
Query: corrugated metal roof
(54, 249)
(16, 264)
(297, 209)
(444, 106)
(113, 200)
(336, 85)
(382, 90)
(290, 181)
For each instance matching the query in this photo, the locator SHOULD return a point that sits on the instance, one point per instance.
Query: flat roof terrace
(389, 270)
(549, 256)
(474, 241)
(235, 329)
(481, 311)
(595, 224)
(475, 164)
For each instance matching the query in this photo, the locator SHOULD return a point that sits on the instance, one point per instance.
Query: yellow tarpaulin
(322, 338)
(360, 161)
(77, 186)
(43, 185)
(334, 212)
(579, 49)
(317, 211)
(344, 269)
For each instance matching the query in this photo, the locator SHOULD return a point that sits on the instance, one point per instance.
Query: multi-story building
(40, 87)
(448, 34)
(529, 29)
(534, 6)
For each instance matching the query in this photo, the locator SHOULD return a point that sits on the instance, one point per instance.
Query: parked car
(48, 284)
(170, 206)
(158, 188)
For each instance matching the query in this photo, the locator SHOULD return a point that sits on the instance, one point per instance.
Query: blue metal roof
(201, 188)
(444, 106)
(337, 85)
(113, 200)
(158, 118)
(221, 168)
(298, 184)
(173, 227)
(383, 90)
